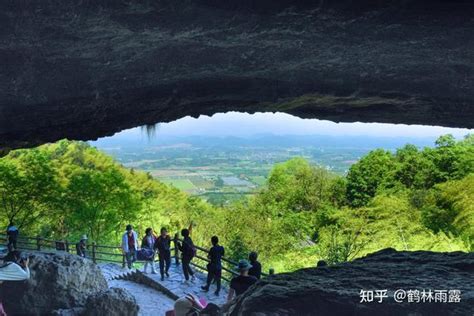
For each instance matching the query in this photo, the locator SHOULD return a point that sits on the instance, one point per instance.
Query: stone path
(154, 296)
(151, 301)
(112, 271)
(175, 284)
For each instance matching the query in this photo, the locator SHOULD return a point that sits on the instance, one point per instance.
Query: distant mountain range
(265, 140)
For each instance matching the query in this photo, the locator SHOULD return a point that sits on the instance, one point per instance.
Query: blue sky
(244, 124)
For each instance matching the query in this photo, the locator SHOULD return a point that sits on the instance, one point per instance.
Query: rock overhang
(85, 69)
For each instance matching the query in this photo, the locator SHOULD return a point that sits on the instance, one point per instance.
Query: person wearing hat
(188, 305)
(12, 233)
(81, 247)
(130, 245)
(241, 283)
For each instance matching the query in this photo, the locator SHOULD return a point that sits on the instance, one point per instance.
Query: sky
(244, 125)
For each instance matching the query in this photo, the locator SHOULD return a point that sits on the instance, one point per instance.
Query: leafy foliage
(409, 200)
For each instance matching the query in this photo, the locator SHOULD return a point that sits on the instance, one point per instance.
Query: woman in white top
(16, 270)
(15, 267)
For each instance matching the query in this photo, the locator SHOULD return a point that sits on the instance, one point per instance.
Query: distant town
(221, 170)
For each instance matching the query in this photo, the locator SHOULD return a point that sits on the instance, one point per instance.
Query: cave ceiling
(86, 69)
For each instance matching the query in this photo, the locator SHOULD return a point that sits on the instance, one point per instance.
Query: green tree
(367, 175)
(28, 187)
(99, 202)
(450, 209)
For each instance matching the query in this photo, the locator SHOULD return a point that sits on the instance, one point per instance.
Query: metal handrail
(39, 242)
(232, 272)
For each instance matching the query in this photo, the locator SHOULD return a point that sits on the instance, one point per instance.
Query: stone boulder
(111, 302)
(336, 290)
(58, 281)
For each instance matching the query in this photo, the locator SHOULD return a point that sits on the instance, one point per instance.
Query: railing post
(93, 252)
(38, 243)
(176, 249)
(271, 271)
(67, 246)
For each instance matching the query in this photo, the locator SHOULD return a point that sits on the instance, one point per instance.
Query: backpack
(145, 254)
(191, 249)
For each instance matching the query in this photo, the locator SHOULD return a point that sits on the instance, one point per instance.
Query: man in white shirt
(130, 245)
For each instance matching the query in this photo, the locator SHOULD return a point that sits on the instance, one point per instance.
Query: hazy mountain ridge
(264, 140)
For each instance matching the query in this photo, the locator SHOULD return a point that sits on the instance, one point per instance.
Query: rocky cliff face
(337, 290)
(83, 69)
(61, 281)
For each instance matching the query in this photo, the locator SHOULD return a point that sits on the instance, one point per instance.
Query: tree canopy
(410, 199)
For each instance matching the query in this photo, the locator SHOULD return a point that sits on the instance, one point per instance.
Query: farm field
(221, 170)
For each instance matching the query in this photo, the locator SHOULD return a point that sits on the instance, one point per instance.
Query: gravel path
(155, 302)
(151, 302)
(175, 283)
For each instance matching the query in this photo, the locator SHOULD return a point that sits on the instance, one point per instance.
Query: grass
(258, 180)
(182, 184)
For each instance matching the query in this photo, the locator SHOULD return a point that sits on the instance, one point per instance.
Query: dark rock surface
(76, 311)
(88, 68)
(113, 302)
(58, 281)
(336, 290)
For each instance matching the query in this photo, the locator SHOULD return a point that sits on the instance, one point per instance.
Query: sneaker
(204, 288)
(162, 278)
(167, 274)
(153, 272)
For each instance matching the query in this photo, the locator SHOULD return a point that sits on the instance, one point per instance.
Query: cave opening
(223, 157)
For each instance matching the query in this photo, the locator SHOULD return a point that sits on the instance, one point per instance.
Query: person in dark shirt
(214, 267)
(12, 233)
(163, 245)
(81, 247)
(188, 251)
(321, 263)
(256, 269)
(241, 283)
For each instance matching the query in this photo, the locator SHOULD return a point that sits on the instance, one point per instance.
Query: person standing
(81, 247)
(130, 245)
(256, 269)
(148, 243)
(15, 269)
(163, 245)
(188, 251)
(214, 267)
(241, 283)
(12, 233)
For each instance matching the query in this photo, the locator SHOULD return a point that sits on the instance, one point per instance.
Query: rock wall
(83, 69)
(336, 290)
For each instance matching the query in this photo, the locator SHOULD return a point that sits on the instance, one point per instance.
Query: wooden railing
(108, 253)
